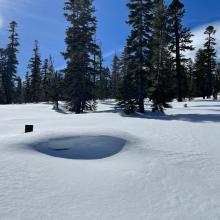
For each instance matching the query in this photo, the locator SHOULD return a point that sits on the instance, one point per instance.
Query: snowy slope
(148, 167)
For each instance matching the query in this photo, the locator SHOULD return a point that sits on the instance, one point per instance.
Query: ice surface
(81, 147)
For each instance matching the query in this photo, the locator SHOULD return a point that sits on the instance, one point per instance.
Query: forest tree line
(153, 64)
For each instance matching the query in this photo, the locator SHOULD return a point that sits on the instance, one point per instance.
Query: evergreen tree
(200, 74)
(35, 70)
(98, 72)
(188, 79)
(115, 76)
(180, 41)
(56, 88)
(127, 87)
(216, 82)
(44, 81)
(48, 72)
(97, 66)
(210, 54)
(103, 84)
(79, 54)
(161, 86)
(18, 91)
(140, 20)
(27, 88)
(10, 73)
(3, 60)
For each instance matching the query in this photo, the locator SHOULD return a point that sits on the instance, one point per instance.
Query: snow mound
(81, 147)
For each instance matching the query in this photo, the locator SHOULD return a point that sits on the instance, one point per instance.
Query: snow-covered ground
(107, 166)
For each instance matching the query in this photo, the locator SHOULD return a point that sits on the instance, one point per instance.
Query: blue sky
(43, 20)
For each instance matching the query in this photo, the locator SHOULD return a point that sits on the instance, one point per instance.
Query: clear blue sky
(43, 20)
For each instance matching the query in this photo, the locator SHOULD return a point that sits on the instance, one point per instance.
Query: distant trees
(42, 82)
(153, 65)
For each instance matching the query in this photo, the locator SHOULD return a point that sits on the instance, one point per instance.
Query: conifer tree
(161, 85)
(115, 76)
(140, 20)
(56, 88)
(79, 54)
(127, 87)
(200, 74)
(216, 82)
(48, 71)
(3, 60)
(44, 81)
(103, 84)
(180, 41)
(97, 65)
(18, 91)
(27, 88)
(10, 73)
(137, 55)
(98, 77)
(35, 71)
(189, 89)
(210, 54)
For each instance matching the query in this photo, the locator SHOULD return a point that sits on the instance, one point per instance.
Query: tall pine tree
(35, 71)
(161, 86)
(181, 41)
(210, 54)
(79, 54)
(115, 76)
(200, 74)
(10, 73)
(27, 88)
(3, 60)
(137, 55)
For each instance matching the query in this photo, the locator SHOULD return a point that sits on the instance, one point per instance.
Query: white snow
(107, 166)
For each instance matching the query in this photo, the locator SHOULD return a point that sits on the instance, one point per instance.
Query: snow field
(159, 168)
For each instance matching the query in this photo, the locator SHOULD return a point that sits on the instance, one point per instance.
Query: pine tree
(79, 54)
(140, 21)
(18, 91)
(10, 73)
(216, 82)
(136, 57)
(181, 41)
(103, 84)
(97, 66)
(127, 87)
(3, 60)
(44, 81)
(35, 70)
(116, 78)
(98, 72)
(27, 88)
(56, 88)
(200, 74)
(189, 80)
(161, 86)
(48, 72)
(210, 53)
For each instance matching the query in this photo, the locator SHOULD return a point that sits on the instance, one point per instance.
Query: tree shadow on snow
(178, 117)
